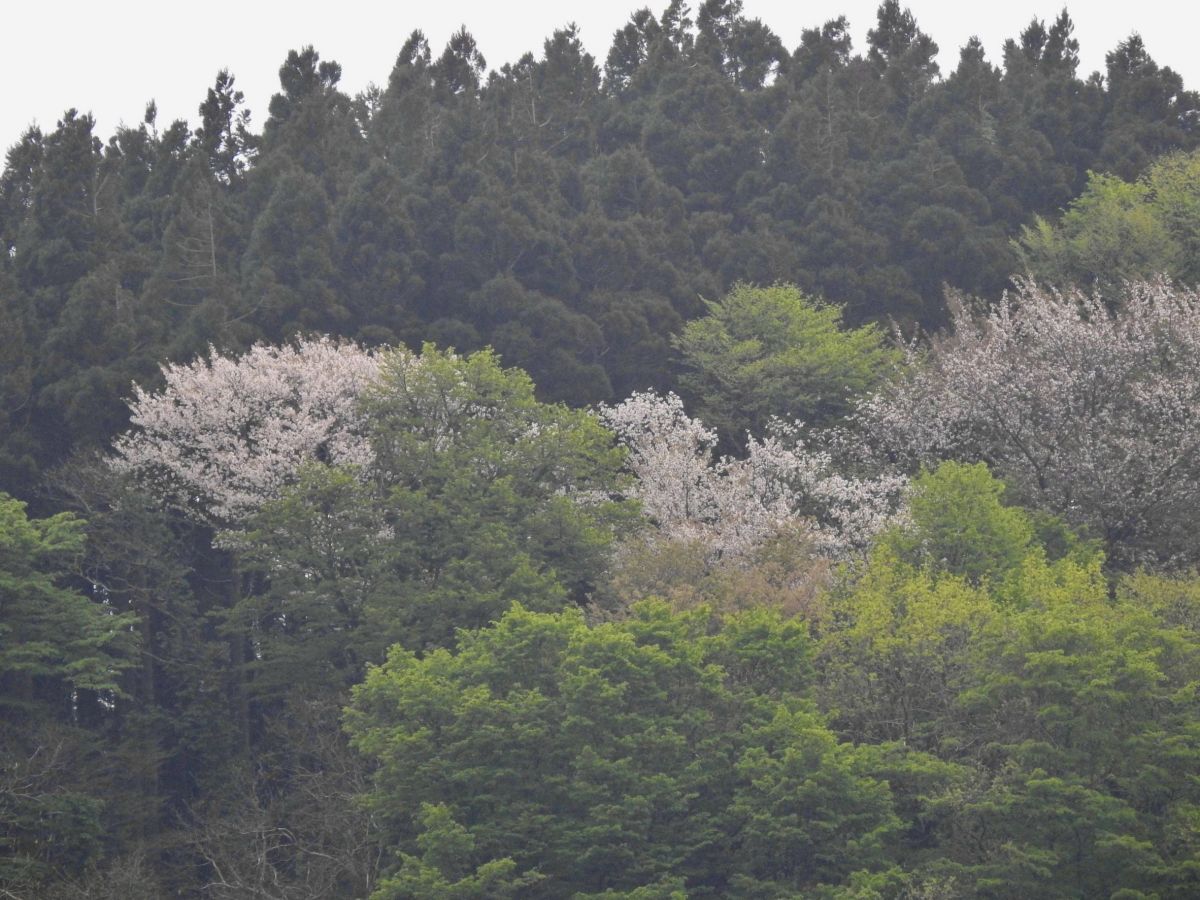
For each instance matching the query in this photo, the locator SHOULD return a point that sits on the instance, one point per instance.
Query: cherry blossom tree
(1089, 413)
(732, 505)
(225, 434)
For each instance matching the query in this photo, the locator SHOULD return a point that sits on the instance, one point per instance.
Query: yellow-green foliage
(1117, 230)
(958, 526)
(905, 635)
(1175, 601)
(1072, 712)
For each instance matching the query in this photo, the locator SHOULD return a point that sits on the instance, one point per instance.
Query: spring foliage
(1087, 406)
(732, 505)
(772, 352)
(991, 713)
(1117, 230)
(659, 750)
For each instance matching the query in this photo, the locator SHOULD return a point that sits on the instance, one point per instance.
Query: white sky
(110, 58)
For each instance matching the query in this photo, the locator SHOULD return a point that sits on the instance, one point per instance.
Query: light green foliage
(1118, 231)
(1175, 182)
(1068, 718)
(897, 650)
(472, 439)
(1176, 601)
(801, 799)
(960, 526)
(905, 630)
(1084, 716)
(772, 351)
(446, 848)
(638, 756)
(1072, 723)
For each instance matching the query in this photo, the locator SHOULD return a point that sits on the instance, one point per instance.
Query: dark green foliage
(567, 217)
(61, 659)
(288, 265)
(1148, 113)
(224, 133)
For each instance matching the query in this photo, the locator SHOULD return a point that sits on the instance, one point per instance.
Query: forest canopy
(721, 469)
(570, 212)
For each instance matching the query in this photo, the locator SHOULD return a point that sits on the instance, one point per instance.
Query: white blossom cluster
(226, 434)
(848, 510)
(732, 505)
(1087, 408)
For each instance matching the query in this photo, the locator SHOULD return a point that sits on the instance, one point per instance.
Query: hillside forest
(720, 469)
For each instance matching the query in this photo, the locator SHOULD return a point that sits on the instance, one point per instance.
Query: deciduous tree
(731, 506)
(1087, 406)
(764, 352)
(662, 748)
(225, 434)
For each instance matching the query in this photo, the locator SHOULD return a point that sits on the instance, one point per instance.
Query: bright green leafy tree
(662, 749)
(763, 352)
(1118, 231)
(959, 525)
(478, 495)
(989, 639)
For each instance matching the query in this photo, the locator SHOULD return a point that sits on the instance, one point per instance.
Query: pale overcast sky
(111, 58)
